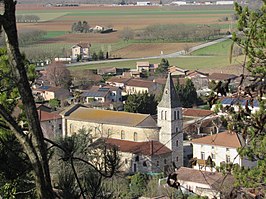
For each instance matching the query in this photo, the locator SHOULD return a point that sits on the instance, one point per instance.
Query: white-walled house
(221, 148)
(204, 183)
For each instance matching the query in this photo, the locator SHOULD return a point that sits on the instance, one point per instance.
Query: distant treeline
(178, 32)
(27, 18)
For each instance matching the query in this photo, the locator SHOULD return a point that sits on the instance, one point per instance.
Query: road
(172, 55)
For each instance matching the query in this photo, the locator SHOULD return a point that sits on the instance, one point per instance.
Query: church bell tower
(169, 119)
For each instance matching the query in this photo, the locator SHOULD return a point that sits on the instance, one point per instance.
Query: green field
(220, 49)
(188, 62)
(53, 34)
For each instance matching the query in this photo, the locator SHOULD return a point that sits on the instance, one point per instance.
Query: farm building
(143, 3)
(179, 3)
(224, 2)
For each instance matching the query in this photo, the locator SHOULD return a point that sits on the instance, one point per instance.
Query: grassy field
(220, 49)
(207, 64)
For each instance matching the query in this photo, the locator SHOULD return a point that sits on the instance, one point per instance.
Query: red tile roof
(46, 116)
(144, 148)
(118, 79)
(224, 139)
(196, 112)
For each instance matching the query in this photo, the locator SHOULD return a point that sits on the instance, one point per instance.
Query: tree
(138, 184)
(251, 126)
(15, 89)
(14, 72)
(187, 94)
(144, 103)
(100, 55)
(58, 74)
(54, 103)
(127, 33)
(94, 56)
(163, 67)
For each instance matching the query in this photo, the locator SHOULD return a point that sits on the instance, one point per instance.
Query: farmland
(57, 22)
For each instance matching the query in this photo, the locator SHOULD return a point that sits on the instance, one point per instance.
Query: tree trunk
(33, 143)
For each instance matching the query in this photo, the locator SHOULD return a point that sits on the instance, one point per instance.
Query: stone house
(51, 124)
(81, 50)
(221, 148)
(134, 86)
(50, 92)
(158, 144)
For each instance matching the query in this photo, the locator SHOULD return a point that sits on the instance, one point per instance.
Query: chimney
(151, 147)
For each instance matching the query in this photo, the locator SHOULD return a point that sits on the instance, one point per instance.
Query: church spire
(170, 98)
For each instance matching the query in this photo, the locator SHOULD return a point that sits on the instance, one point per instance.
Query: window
(165, 161)
(202, 155)
(177, 114)
(137, 158)
(177, 158)
(213, 156)
(212, 147)
(122, 135)
(135, 136)
(126, 161)
(162, 115)
(165, 115)
(60, 126)
(174, 115)
(176, 143)
(145, 164)
(227, 157)
(157, 163)
(177, 130)
(227, 149)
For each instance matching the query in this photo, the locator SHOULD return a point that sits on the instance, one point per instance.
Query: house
(107, 71)
(204, 183)
(235, 102)
(103, 94)
(200, 80)
(117, 81)
(196, 122)
(98, 28)
(51, 124)
(176, 71)
(143, 3)
(134, 86)
(143, 66)
(49, 92)
(81, 51)
(221, 77)
(146, 145)
(196, 74)
(221, 148)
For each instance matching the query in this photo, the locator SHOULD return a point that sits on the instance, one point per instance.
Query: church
(144, 144)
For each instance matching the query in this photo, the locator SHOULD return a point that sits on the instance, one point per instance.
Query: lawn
(54, 34)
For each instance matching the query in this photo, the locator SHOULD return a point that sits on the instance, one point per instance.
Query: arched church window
(177, 158)
(174, 115)
(177, 114)
(176, 143)
(165, 115)
(161, 115)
